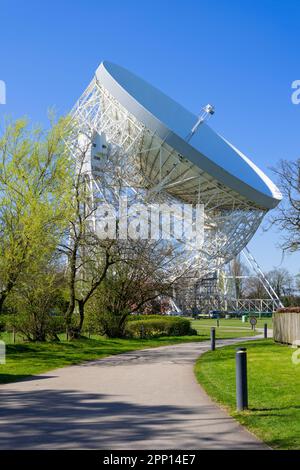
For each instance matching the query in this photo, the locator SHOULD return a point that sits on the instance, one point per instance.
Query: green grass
(26, 359)
(232, 322)
(225, 330)
(274, 390)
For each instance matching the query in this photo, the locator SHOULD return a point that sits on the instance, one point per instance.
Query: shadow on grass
(25, 360)
(291, 407)
(10, 378)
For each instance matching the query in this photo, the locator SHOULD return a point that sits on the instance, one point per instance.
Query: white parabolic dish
(172, 122)
(140, 135)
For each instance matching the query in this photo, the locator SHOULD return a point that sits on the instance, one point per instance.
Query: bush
(104, 323)
(36, 327)
(162, 326)
(137, 317)
(36, 308)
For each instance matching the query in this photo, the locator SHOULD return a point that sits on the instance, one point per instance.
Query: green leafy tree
(37, 305)
(34, 181)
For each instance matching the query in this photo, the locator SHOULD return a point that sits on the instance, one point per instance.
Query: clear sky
(239, 55)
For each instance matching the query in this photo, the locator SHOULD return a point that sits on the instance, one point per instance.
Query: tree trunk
(81, 314)
(72, 301)
(2, 300)
(5, 292)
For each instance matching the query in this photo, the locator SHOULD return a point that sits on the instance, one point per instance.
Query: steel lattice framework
(135, 158)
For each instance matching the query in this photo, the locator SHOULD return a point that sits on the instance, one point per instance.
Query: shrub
(111, 325)
(36, 327)
(35, 309)
(162, 326)
(137, 317)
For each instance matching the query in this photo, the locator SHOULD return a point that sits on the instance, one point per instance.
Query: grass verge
(27, 359)
(224, 331)
(231, 322)
(273, 384)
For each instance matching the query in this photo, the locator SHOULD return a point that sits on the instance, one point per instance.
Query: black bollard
(241, 379)
(212, 339)
(218, 323)
(265, 330)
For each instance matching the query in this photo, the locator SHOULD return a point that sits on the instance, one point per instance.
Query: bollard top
(241, 350)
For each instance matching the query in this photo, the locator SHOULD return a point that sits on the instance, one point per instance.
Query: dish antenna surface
(147, 143)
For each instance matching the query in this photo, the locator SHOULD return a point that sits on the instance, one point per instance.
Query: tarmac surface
(145, 399)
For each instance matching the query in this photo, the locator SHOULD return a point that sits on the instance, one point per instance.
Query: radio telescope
(144, 142)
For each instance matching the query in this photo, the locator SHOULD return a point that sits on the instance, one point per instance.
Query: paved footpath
(140, 400)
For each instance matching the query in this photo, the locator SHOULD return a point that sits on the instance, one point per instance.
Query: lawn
(231, 322)
(227, 328)
(25, 359)
(274, 390)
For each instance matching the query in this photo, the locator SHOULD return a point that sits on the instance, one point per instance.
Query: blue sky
(241, 56)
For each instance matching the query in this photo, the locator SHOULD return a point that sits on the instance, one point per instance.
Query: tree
(239, 272)
(36, 306)
(93, 258)
(34, 179)
(88, 255)
(287, 215)
(138, 277)
(255, 289)
(297, 283)
(281, 281)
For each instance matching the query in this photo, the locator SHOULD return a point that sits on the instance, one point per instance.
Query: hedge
(139, 316)
(160, 326)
